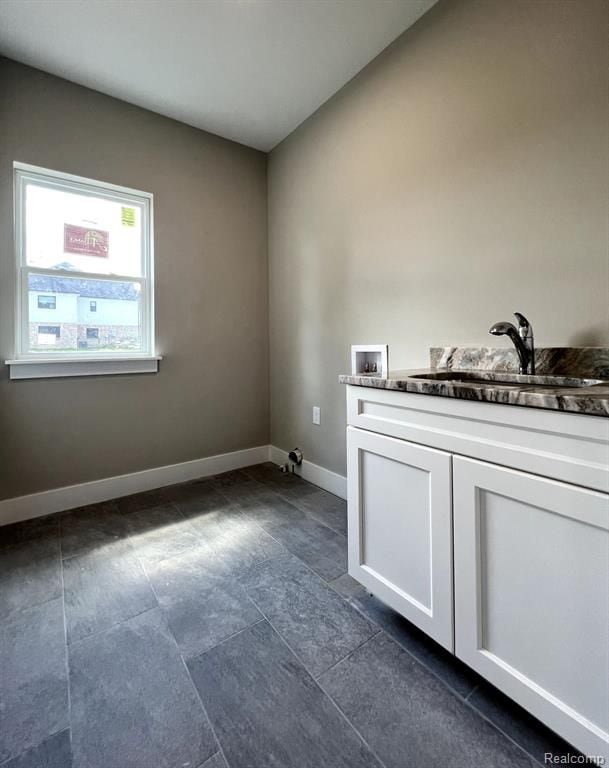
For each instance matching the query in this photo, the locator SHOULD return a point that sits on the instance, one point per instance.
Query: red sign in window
(88, 242)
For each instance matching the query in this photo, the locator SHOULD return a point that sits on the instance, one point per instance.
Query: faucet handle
(525, 329)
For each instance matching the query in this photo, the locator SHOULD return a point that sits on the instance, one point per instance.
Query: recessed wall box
(370, 360)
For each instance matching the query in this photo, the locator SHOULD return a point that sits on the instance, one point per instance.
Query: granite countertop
(490, 375)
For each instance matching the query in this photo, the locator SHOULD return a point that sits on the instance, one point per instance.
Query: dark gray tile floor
(213, 625)
(33, 682)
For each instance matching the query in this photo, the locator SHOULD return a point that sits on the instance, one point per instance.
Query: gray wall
(462, 175)
(211, 394)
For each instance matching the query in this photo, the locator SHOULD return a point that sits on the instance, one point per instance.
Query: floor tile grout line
(176, 506)
(291, 502)
(395, 640)
(144, 560)
(36, 746)
(9, 618)
(304, 512)
(236, 576)
(325, 693)
(251, 477)
(429, 669)
(349, 654)
(471, 693)
(223, 640)
(168, 503)
(312, 514)
(316, 680)
(382, 631)
(115, 510)
(270, 535)
(270, 623)
(302, 479)
(201, 540)
(463, 699)
(502, 732)
(68, 728)
(150, 563)
(326, 583)
(344, 715)
(257, 606)
(111, 626)
(192, 682)
(289, 551)
(65, 631)
(319, 576)
(205, 713)
(17, 614)
(86, 552)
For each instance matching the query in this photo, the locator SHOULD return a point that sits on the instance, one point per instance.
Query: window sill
(46, 368)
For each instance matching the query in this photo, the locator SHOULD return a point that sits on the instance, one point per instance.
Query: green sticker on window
(128, 217)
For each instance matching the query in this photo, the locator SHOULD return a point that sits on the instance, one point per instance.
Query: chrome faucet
(522, 338)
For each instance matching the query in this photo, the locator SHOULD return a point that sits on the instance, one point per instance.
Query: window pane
(67, 230)
(46, 302)
(72, 325)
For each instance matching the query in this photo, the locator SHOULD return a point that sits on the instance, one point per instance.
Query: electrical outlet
(316, 414)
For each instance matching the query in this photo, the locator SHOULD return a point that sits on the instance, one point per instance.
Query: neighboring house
(73, 313)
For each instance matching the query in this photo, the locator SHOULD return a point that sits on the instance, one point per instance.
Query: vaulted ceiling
(249, 70)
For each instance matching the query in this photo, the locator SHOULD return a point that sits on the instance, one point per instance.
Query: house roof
(92, 289)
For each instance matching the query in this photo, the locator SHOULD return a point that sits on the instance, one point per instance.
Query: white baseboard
(60, 499)
(313, 473)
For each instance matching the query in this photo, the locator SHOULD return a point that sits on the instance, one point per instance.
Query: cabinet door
(532, 595)
(400, 532)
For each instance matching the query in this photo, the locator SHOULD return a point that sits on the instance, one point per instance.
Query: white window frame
(27, 364)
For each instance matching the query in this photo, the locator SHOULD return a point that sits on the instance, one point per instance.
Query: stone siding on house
(74, 337)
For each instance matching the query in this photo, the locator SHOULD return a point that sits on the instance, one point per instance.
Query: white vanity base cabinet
(521, 495)
(532, 594)
(400, 530)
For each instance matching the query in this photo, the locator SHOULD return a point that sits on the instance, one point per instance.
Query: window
(49, 330)
(48, 335)
(78, 241)
(47, 302)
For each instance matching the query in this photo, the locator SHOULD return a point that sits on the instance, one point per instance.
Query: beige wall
(211, 394)
(461, 176)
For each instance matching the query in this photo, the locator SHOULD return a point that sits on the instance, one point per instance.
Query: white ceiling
(249, 70)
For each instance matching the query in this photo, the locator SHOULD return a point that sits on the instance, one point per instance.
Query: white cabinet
(532, 594)
(520, 493)
(400, 538)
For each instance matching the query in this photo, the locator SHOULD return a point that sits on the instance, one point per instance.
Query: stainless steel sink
(490, 378)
